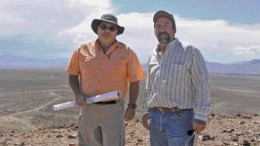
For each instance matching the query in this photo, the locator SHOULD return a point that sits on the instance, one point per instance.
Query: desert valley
(27, 117)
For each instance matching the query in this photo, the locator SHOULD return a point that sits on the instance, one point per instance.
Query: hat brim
(96, 22)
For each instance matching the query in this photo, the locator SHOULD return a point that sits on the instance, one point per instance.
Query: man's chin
(163, 41)
(164, 38)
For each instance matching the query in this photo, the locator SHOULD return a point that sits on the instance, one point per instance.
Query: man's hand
(145, 119)
(133, 94)
(129, 113)
(199, 126)
(81, 100)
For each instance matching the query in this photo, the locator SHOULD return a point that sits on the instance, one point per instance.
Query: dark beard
(163, 38)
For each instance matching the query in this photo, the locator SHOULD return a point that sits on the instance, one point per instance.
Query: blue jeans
(170, 129)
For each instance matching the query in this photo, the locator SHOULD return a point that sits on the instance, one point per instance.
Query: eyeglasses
(105, 27)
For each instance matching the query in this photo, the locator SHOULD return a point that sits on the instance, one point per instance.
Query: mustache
(106, 34)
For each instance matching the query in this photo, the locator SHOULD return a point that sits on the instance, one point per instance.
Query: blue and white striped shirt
(178, 78)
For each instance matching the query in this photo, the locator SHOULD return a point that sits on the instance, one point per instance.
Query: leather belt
(106, 102)
(170, 110)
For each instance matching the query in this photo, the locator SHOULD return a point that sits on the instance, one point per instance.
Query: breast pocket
(178, 72)
(118, 67)
(87, 65)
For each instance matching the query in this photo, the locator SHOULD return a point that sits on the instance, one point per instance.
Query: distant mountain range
(246, 67)
(9, 61)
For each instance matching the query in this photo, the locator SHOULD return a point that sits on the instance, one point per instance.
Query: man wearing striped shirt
(177, 88)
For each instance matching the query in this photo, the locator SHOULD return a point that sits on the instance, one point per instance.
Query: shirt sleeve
(147, 89)
(201, 86)
(73, 65)
(134, 68)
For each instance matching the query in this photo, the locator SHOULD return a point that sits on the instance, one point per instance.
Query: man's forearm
(133, 91)
(74, 84)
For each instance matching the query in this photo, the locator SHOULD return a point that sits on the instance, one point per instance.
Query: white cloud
(48, 16)
(247, 51)
(218, 39)
(61, 23)
(139, 33)
(40, 21)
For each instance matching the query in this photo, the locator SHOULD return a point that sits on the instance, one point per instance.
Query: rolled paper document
(104, 97)
(64, 105)
(113, 95)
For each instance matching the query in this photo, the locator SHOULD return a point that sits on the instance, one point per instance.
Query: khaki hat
(165, 14)
(106, 18)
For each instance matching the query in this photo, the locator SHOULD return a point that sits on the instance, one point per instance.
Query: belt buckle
(160, 109)
(176, 109)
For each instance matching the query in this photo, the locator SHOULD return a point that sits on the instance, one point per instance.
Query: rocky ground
(27, 117)
(239, 130)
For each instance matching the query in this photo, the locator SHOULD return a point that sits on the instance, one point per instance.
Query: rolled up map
(113, 95)
(104, 97)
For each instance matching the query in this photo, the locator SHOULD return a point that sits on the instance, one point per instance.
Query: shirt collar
(112, 47)
(169, 46)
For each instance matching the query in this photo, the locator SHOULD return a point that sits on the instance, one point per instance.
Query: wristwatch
(132, 105)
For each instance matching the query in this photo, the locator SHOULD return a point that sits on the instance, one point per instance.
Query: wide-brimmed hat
(106, 18)
(165, 14)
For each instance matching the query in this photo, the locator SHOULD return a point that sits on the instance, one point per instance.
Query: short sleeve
(134, 68)
(73, 65)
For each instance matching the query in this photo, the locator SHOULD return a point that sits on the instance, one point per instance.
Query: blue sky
(238, 11)
(224, 31)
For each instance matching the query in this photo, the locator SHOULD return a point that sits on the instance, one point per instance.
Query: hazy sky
(225, 31)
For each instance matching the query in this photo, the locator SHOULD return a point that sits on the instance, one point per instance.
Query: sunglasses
(105, 27)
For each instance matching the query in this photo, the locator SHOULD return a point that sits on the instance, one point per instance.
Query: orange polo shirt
(100, 73)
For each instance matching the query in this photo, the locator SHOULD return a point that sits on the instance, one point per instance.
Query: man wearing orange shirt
(98, 67)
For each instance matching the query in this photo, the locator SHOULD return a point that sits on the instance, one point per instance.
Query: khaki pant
(102, 125)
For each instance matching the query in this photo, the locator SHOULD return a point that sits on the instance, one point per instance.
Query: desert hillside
(27, 117)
